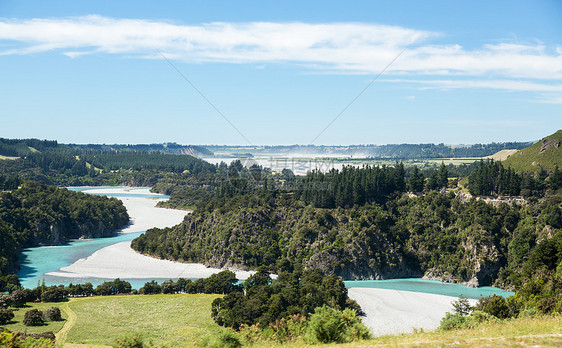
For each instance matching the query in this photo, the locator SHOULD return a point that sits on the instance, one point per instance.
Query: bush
(452, 321)
(250, 333)
(33, 317)
(287, 329)
(129, 341)
(223, 339)
(6, 315)
(459, 321)
(548, 305)
(494, 305)
(52, 314)
(329, 325)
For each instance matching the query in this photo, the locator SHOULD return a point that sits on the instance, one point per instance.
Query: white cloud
(337, 47)
(508, 85)
(551, 99)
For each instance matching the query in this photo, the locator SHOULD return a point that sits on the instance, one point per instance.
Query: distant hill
(545, 153)
(166, 148)
(391, 151)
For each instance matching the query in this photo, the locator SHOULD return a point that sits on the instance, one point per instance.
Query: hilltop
(545, 153)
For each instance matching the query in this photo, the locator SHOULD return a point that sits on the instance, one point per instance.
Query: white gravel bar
(392, 312)
(120, 261)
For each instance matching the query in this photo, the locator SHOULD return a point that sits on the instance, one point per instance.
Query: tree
(52, 314)
(555, 179)
(462, 306)
(495, 305)
(443, 176)
(5, 316)
(416, 180)
(33, 317)
(151, 287)
(169, 287)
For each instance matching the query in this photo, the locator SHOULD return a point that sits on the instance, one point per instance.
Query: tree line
(491, 178)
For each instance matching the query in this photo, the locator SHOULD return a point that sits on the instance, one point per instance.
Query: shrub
(547, 305)
(452, 321)
(329, 325)
(250, 333)
(33, 317)
(6, 315)
(52, 314)
(223, 339)
(287, 329)
(459, 321)
(129, 341)
(495, 305)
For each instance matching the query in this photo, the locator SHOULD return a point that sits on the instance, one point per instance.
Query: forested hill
(544, 154)
(37, 214)
(167, 148)
(73, 165)
(435, 235)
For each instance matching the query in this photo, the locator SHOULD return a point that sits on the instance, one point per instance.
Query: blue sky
(280, 71)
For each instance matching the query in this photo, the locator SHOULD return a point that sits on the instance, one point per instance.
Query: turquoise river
(36, 262)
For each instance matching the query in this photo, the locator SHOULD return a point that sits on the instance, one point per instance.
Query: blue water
(35, 262)
(428, 286)
(85, 189)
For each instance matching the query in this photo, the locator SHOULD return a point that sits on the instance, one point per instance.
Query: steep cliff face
(59, 233)
(481, 260)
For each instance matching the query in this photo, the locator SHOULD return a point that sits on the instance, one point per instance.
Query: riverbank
(120, 261)
(392, 312)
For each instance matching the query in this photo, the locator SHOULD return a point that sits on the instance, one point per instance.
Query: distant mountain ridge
(545, 153)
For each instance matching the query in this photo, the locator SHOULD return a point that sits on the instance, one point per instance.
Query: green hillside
(545, 153)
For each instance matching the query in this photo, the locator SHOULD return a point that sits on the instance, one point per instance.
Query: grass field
(525, 332)
(17, 323)
(184, 320)
(165, 320)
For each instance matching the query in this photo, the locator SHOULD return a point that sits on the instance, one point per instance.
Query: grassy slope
(172, 320)
(523, 160)
(545, 331)
(17, 323)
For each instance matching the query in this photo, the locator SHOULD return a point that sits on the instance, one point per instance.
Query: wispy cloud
(549, 92)
(507, 85)
(337, 47)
